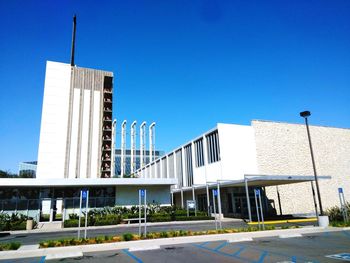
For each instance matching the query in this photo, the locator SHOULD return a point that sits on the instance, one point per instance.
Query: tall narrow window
(213, 147)
(199, 155)
(188, 162)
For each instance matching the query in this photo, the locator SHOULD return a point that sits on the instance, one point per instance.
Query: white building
(76, 124)
(264, 154)
(75, 151)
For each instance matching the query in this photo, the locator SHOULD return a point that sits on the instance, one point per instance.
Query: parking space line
(278, 253)
(204, 243)
(126, 251)
(262, 257)
(221, 246)
(224, 254)
(239, 251)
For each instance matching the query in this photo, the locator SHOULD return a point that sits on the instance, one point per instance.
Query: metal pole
(79, 214)
(182, 198)
(343, 205)
(279, 200)
(248, 201)
(208, 200)
(261, 211)
(145, 212)
(216, 224)
(172, 199)
(194, 199)
(219, 204)
(87, 212)
(139, 212)
(257, 209)
(314, 198)
(314, 167)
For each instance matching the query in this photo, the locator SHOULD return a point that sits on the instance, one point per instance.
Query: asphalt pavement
(316, 247)
(35, 238)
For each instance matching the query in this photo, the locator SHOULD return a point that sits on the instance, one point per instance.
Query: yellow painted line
(314, 219)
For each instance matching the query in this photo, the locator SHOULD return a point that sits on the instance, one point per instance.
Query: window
(199, 153)
(213, 147)
(179, 167)
(188, 163)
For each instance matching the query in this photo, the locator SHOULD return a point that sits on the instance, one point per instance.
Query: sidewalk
(233, 220)
(71, 251)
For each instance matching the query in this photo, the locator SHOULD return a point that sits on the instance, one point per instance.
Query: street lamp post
(305, 115)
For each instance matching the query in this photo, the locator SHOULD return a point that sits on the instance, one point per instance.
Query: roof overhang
(256, 181)
(30, 182)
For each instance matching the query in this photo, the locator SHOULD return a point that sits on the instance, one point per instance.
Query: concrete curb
(233, 220)
(145, 244)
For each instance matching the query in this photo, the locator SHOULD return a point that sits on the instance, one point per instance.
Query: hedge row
(96, 221)
(9, 246)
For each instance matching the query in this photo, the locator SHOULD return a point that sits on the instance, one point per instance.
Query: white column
(175, 170)
(123, 146)
(114, 124)
(184, 169)
(167, 167)
(133, 147)
(142, 144)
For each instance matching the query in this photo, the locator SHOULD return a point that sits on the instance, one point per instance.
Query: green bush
(14, 221)
(127, 236)
(159, 218)
(9, 246)
(335, 214)
(192, 218)
(71, 223)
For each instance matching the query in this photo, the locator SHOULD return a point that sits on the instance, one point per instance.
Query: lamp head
(305, 114)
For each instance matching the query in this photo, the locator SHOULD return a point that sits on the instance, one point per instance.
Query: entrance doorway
(51, 210)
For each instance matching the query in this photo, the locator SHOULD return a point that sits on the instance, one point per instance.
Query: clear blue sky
(184, 64)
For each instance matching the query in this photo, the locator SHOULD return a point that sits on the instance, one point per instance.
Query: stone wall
(283, 149)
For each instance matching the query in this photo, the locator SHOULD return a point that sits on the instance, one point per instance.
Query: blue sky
(184, 64)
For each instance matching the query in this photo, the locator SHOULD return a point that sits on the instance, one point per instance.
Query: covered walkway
(239, 193)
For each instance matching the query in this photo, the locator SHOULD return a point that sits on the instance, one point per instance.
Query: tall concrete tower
(76, 123)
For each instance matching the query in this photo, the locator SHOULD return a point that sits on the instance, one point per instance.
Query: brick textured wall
(283, 149)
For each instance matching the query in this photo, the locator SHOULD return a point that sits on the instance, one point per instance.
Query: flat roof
(31, 182)
(258, 181)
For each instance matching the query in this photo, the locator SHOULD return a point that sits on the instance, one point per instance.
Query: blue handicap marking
(84, 194)
(340, 190)
(142, 192)
(215, 192)
(257, 192)
(341, 256)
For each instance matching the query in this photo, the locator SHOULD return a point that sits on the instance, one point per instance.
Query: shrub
(10, 246)
(14, 221)
(127, 236)
(71, 223)
(335, 213)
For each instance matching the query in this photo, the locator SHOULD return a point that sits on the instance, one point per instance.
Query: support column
(219, 204)
(195, 202)
(248, 200)
(208, 199)
(182, 198)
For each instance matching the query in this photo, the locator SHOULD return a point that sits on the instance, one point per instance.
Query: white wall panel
(95, 135)
(85, 135)
(54, 121)
(74, 134)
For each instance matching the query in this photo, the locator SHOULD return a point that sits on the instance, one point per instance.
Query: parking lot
(316, 247)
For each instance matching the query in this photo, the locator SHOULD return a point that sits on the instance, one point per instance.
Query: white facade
(54, 121)
(75, 135)
(227, 152)
(230, 152)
